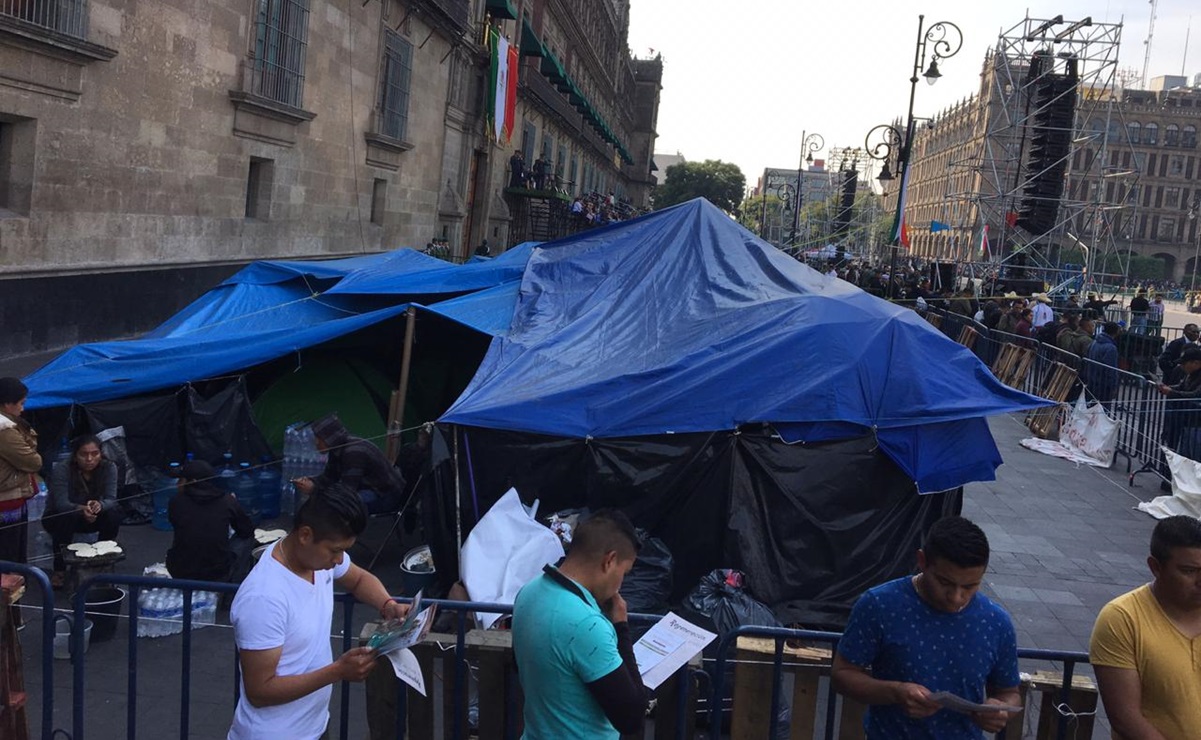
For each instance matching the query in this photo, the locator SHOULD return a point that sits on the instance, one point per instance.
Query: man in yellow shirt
(1146, 644)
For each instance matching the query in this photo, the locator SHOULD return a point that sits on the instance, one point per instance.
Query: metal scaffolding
(1044, 175)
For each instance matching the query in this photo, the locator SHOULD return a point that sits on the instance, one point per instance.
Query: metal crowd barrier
(718, 665)
(781, 635)
(37, 577)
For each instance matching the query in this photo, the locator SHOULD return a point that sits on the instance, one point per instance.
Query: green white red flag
(502, 99)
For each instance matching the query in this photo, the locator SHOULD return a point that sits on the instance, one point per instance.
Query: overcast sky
(743, 79)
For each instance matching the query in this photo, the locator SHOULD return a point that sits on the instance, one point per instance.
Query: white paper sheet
(956, 703)
(407, 669)
(667, 646)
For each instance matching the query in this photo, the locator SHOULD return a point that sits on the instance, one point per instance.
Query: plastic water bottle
(245, 488)
(228, 473)
(267, 480)
(36, 506)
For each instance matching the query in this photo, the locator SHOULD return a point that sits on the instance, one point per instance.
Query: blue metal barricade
(37, 577)
(779, 635)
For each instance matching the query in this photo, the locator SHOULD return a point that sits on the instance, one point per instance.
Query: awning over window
(530, 45)
(501, 9)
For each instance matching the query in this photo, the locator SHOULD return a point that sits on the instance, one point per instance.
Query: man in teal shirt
(575, 658)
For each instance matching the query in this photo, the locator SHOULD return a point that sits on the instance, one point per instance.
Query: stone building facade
(150, 148)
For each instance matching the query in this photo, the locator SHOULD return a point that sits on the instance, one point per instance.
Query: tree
(721, 183)
(752, 211)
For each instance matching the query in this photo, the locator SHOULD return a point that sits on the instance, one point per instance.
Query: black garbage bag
(720, 604)
(647, 587)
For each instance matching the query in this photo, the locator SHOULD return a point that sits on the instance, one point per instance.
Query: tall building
(149, 149)
(664, 161)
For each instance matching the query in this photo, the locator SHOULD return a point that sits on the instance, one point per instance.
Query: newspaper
(394, 638)
(667, 646)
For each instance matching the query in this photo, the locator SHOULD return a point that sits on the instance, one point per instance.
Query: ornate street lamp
(942, 40)
(809, 144)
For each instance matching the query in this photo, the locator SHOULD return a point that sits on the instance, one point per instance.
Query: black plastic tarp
(812, 526)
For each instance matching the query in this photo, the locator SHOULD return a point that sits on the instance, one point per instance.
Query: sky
(743, 80)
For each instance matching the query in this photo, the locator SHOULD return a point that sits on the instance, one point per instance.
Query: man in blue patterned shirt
(916, 636)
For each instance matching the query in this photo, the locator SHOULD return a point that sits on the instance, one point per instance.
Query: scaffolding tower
(1045, 174)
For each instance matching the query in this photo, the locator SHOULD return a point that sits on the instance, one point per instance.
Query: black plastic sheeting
(223, 422)
(812, 526)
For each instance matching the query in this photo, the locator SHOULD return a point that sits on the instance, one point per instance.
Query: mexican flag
(985, 252)
(502, 99)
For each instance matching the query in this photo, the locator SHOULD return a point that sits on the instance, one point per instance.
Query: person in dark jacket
(202, 515)
(1101, 373)
(1169, 359)
(1183, 414)
(356, 464)
(83, 499)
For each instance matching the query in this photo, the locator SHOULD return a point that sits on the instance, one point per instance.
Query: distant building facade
(149, 149)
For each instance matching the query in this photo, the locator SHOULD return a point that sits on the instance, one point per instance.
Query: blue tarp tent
(683, 321)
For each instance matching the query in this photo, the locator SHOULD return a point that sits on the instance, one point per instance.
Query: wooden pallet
(1044, 422)
(1013, 364)
(968, 336)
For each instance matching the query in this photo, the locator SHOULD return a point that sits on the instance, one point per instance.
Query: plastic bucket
(103, 604)
(417, 570)
(62, 638)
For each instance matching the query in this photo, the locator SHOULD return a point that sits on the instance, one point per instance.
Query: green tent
(355, 389)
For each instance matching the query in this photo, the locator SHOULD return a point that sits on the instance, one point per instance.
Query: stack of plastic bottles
(267, 479)
(301, 460)
(160, 611)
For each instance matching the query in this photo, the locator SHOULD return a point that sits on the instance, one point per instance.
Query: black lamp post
(942, 40)
(809, 144)
(887, 147)
(1192, 217)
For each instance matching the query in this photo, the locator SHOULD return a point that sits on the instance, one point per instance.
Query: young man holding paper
(910, 639)
(572, 642)
(283, 614)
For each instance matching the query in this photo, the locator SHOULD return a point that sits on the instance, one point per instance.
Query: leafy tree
(751, 214)
(720, 182)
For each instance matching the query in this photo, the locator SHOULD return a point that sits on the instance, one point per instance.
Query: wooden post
(396, 409)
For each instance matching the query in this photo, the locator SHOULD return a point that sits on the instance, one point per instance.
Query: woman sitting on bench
(83, 499)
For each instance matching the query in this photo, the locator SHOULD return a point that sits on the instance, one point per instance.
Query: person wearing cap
(1043, 314)
(1139, 306)
(1169, 359)
(1100, 374)
(202, 514)
(1098, 306)
(1182, 408)
(355, 463)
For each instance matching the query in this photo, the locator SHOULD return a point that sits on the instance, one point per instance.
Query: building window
(1171, 135)
(65, 16)
(1188, 137)
(1171, 198)
(1151, 134)
(1176, 166)
(259, 181)
(575, 173)
(280, 38)
(379, 201)
(17, 147)
(529, 135)
(1167, 230)
(1133, 130)
(394, 87)
(548, 148)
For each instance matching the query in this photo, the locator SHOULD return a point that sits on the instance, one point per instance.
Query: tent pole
(396, 411)
(458, 500)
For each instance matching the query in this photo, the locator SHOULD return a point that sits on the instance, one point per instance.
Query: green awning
(552, 68)
(577, 98)
(530, 45)
(501, 9)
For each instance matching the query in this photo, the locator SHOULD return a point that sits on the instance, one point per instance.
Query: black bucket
(417, 570)
(103, 605)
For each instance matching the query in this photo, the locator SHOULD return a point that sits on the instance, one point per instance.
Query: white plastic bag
(1090, 431)
(506, 550)
(1186, 489)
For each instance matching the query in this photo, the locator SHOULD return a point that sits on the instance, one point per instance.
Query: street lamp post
(810, 143)
(1192, 216)
(944, 39)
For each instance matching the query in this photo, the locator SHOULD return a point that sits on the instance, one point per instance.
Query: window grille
(65, 16)
(281, 37)
(394, 90)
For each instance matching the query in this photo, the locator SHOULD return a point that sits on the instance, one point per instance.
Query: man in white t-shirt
(283, 614)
